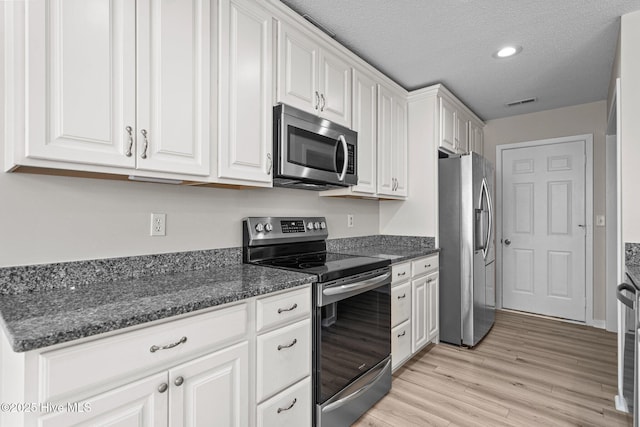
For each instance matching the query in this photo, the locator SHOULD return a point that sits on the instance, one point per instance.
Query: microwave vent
(521, 102)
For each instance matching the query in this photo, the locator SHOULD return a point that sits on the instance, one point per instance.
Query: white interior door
(544, 229)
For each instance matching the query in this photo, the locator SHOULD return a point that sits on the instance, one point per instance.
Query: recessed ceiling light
(507, 51)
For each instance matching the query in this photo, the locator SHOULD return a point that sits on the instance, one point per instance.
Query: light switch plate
(600, 220)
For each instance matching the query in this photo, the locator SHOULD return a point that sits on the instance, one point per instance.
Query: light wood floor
(528, 371)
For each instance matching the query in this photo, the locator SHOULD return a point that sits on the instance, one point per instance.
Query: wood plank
(528, 371)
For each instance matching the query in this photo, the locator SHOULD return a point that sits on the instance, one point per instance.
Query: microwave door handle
(346, 157)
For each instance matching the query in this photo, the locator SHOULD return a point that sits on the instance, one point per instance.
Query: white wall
(630, 125)
(576, 120)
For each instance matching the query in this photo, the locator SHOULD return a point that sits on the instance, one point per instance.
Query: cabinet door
(399, 149)
(385, 141)
(173, 86)
(297, 70)
(81, 81)
(419, 320)
(335, 88)
(211, 390)
(365, 122)
(139, 404)
(292, 407)
(245, 97)
(433, 310)
(447, 126)
(476, 140)
(400, 343)
(462, 133)
(400, 303)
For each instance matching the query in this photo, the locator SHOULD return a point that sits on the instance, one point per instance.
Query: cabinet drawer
(283, 308)
(400, 272)
(292, 407)
(400, 303)
(74, 369)
(424, 265)
(284, 357)
(400, 343)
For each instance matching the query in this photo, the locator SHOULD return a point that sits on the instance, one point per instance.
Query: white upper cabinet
(313, 78)
(245, 92)
(392, 143)
(448, 125)
(365, 122)
(117, 83)
(476, 138)
(462, 133)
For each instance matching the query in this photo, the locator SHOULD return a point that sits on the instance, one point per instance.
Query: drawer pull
(288, 407)
(179, 381)
(293, 307)
(402, 274)
(295, 340)
(402, 296)
(427, 266)
(402, 334)
(163, 387)
(155, 348)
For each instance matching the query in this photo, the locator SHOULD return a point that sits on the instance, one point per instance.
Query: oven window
(312, 150)
(354, 335)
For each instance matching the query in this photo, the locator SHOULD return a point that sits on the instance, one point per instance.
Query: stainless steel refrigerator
(467, 243)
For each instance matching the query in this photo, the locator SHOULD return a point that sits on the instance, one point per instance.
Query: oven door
(352, 330)
(315, 149)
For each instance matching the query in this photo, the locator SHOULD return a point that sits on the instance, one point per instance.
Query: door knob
(507, 242)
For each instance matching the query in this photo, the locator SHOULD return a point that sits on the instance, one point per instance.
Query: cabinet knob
(179, 381)
(163, 387)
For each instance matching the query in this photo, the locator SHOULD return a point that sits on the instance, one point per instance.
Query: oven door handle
(347, 399)
(345, 164)
(337, 293)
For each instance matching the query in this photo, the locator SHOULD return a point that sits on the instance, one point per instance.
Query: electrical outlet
(158, 224)
(350, 220)
(600, 220)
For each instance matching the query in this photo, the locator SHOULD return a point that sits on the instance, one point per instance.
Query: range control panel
(272, 230)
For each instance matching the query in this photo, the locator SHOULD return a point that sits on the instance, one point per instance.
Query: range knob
(316, 226)
(259, 227)
(323, 225)
(310, 226)
(268, 227)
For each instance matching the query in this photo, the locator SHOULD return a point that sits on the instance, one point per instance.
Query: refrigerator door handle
(485, 192)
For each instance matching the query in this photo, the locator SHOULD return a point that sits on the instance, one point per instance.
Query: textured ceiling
(567, 56)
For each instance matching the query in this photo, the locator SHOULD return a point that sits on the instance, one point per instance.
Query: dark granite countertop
(395, 253)
(40, 319)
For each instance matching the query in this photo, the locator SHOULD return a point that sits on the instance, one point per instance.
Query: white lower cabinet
(414, 307)
(292, 407)
(198, 370)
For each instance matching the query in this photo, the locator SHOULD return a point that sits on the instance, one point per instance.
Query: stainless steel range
(352, 313)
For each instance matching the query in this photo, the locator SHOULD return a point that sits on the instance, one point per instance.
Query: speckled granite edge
(43, 277)
(632, 253)
(41, 319)
(349, 243)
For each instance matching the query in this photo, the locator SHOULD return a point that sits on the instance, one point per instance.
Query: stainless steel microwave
(311, 152)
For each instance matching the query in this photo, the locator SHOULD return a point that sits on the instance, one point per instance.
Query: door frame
(588, 139)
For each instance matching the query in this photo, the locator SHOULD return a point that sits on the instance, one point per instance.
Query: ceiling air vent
(521, 102)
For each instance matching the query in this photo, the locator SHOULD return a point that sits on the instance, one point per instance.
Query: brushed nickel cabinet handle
(129, 130)
(402, 274)
(288, 407)
(402, 296)
(270, 163)
(155, 348)
(317, 100)
(323, 102)
(293, 307)
(402, 334)
(146, 144)
(295, 340)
